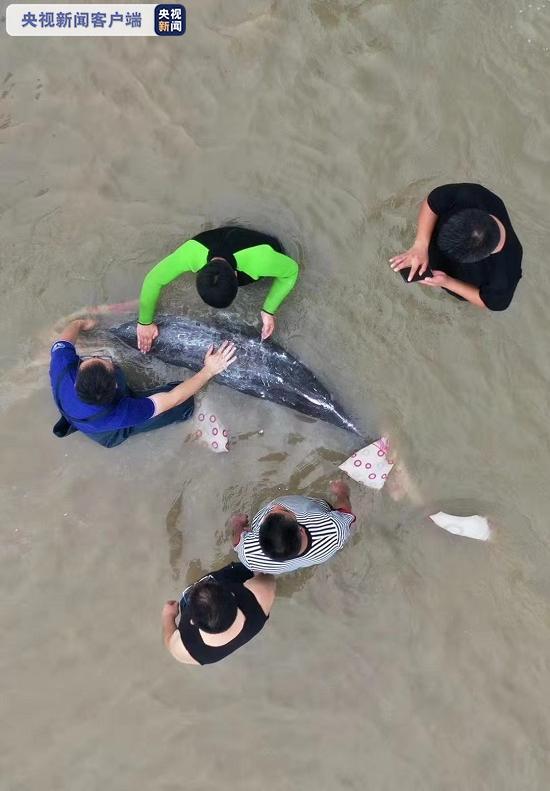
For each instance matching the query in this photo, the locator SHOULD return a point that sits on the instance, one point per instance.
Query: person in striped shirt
(293, 532)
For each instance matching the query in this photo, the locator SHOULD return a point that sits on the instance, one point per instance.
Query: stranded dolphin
(264, 370)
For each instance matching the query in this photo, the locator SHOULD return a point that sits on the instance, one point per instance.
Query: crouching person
(217, 615)
(293, 532)
(92, 395)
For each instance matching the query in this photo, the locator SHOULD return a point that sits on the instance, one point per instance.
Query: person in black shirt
(466, 238)
(218, 614)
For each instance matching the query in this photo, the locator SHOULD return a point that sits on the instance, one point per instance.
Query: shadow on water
(287, 584)
(175, 534)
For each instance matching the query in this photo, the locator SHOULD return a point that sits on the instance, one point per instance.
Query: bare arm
(170, 634)
(165, 401)
(425, 227)
(238, 524)
(469, 292)
(340, 490)
(263, 586)
(74, 328)
(465, 290)
(214, 363)
(169, 613)
(417, 256)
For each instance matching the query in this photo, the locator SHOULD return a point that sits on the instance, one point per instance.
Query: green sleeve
(283, 282)
(264, 261)
(190, 257)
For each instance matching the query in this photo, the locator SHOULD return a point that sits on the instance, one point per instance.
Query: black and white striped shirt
(329, 530)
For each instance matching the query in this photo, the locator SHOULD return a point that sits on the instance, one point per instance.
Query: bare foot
(400, 483)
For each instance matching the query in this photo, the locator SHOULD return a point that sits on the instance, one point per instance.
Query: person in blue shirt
(92, 395)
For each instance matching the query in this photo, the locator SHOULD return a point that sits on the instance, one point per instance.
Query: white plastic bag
(371, 465)
(469, 526)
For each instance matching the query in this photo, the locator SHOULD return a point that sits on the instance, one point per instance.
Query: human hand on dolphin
(146, 334)
(86, 325)
(268, 325)
(217, 360)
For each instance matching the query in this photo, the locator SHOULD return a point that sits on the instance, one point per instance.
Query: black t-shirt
(232, 577)
(225, 242)
(497, 275)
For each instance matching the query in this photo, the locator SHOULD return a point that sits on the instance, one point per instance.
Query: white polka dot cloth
(371, 465)
(208, 429)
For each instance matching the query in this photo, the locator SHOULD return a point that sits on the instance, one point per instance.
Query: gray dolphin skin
(264, 370)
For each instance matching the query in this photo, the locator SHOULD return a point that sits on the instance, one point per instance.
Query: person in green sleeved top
(223, 260)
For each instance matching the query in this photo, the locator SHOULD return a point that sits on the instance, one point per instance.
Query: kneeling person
(224, 260)
(218, 614)
(92, 395)
(466, 236)
(293, 532)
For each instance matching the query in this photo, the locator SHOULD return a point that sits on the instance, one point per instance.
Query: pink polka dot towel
(371, 465)
(208, 429)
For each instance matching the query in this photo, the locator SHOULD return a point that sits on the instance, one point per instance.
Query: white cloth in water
(208, 429)
(371, 465)
(470, 526)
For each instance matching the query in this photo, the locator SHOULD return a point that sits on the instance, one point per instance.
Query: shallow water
(414, 660)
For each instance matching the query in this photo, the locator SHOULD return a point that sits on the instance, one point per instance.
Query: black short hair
(280, 537)
(96, 384)
(212, 607)
(468, 236)
(217, 284)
